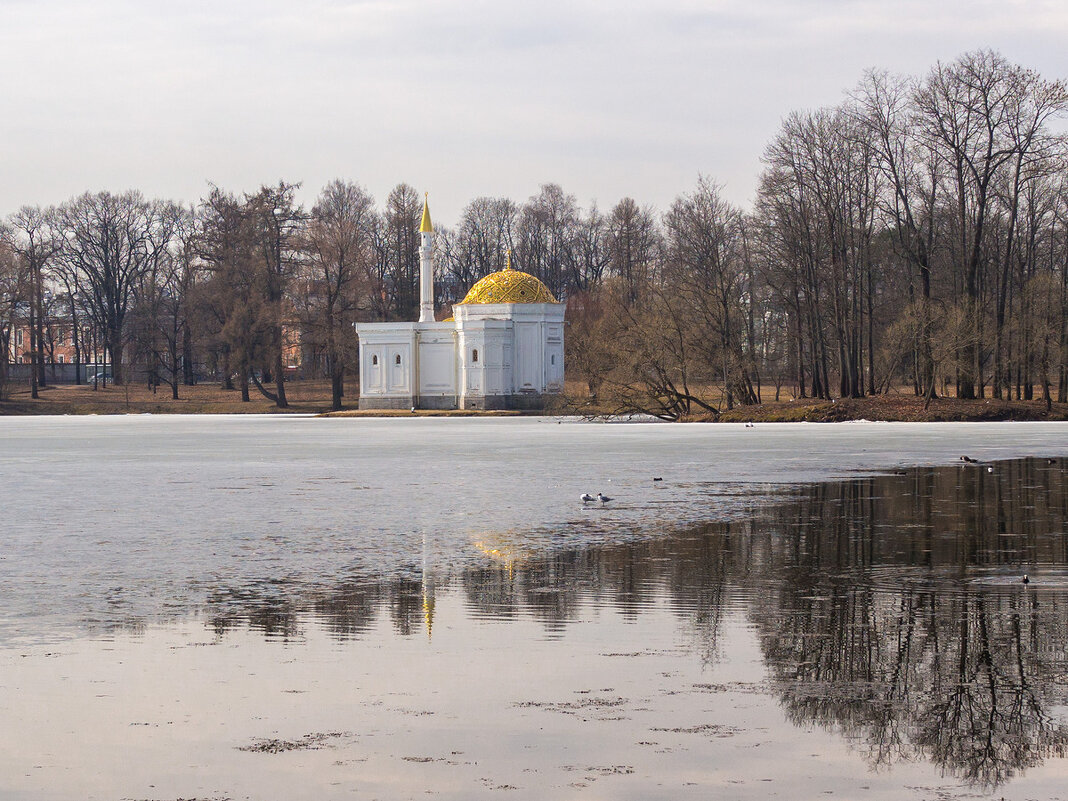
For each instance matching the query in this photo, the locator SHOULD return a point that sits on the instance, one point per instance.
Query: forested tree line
(916, 236)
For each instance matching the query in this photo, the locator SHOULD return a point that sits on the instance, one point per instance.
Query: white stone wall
(491, 351)
(554, 357)
(485, 357)
(532, 354)
(387, 365)
(437, 365)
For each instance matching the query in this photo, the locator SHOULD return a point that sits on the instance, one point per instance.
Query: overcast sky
(459, 98)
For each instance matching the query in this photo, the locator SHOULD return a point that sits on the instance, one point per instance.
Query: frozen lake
(281, 607)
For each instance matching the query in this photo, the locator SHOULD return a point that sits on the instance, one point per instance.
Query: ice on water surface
(127, 517)
(298, 608)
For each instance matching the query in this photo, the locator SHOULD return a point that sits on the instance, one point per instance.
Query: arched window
(374, 361)
(398, 358)
(474, 354)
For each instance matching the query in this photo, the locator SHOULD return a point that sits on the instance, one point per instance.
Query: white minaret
(426, 267)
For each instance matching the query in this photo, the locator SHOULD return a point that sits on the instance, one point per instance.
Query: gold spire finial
(425, 227)
(508, 259)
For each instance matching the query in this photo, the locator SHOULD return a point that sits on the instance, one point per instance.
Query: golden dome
(509, 286)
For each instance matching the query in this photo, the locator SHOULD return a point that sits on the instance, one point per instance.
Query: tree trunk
(35, 346)
(38, 301)
(76, 343)
(800, 341)
(228, 378)
(5, 347)
(187, 356)
(871, 332)
(279, 375)
(174, 368)
(337, 386)
(115, 348)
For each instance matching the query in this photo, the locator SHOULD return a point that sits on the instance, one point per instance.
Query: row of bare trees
(950, 191)
(916, 235)
(82, 262)
(232, 287)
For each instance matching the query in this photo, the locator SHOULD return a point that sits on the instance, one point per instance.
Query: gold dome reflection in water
(509, 286)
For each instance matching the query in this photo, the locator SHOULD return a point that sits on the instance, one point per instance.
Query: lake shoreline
(308, 397)
(897, 408)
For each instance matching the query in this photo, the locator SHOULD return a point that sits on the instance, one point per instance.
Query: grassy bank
(426, 413)
(304, 397)
(896, 408)
(313, 397)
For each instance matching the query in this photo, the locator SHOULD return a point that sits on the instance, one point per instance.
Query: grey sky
(460, 98)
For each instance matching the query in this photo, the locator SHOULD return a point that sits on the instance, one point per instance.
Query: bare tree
(912, 179)
(340, 249)
(964, 111)
(545, 242)
(398, 252)
(227, 301)
(12, 293)
(478, 246)
(704, 275)
(656, 368)
(277, 225)
(76, 309)
(113, 240)
(591, 254)
(162, 329)
(31, 233)
(633, 245)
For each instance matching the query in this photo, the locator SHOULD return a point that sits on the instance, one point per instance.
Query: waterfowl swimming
(1025, 579)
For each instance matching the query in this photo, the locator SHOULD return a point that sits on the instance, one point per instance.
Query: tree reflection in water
(901, 619)
(890, 609)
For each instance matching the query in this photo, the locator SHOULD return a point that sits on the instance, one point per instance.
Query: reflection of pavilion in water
(889, 608)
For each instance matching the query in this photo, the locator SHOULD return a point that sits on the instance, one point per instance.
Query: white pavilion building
(503, 348)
